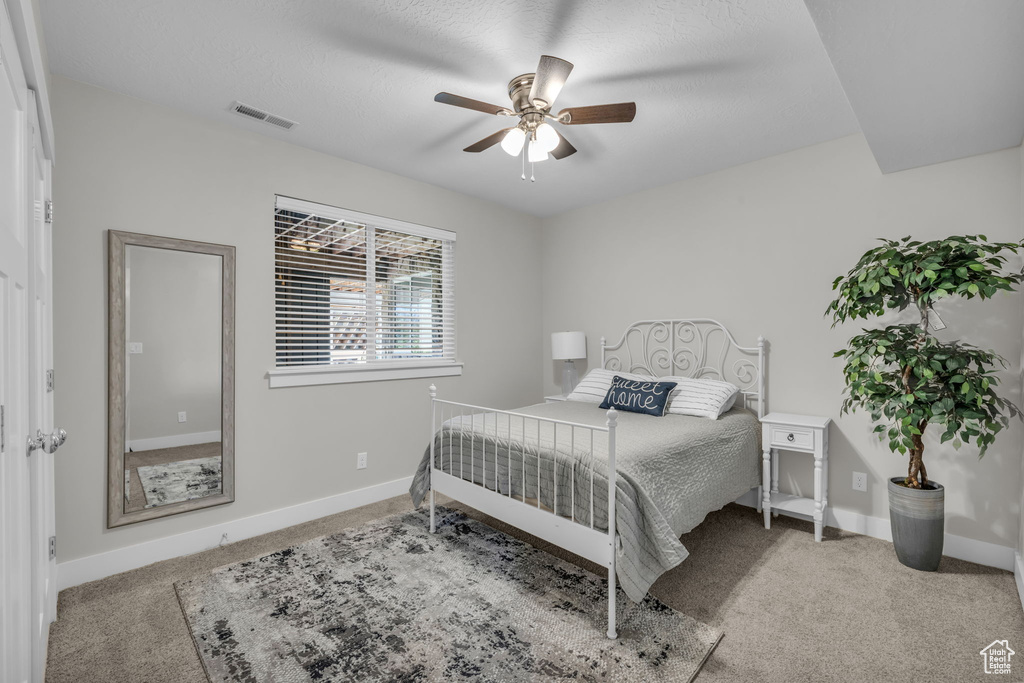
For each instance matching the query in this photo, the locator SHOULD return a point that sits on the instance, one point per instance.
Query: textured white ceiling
(716, 82)
(930, 81)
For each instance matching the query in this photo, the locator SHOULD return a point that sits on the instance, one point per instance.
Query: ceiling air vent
(278, 121)
(260, 115)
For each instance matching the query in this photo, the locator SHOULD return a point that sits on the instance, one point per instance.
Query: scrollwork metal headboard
(697, 348)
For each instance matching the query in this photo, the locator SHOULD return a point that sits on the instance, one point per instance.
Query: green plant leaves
(908, 379)
(903, 272)
(903, 376)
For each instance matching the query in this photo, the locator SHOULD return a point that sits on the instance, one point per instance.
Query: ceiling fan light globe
(547, 137)
(536, 152)
(513, 141)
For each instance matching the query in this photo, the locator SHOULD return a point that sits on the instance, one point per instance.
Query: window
(360, 297)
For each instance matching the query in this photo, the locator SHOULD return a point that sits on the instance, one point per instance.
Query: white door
(15, 497)
(26, 473)
(40, 382)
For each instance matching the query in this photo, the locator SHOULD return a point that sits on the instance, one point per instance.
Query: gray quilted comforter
(672, 471)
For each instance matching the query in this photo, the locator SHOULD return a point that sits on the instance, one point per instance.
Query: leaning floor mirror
(171, 340)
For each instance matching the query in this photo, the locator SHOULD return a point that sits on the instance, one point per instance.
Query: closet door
(40, 382)
(15, 479)
(27, 564)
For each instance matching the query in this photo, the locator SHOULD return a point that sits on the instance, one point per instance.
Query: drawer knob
(790, 437)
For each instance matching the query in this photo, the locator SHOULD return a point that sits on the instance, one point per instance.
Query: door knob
(47, 442)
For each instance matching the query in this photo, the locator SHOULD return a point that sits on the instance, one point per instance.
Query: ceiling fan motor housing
(519, 92)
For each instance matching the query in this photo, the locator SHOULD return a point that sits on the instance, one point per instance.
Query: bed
(545, 468)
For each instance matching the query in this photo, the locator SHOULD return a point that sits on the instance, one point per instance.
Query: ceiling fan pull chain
(532, 178)
(523, 177)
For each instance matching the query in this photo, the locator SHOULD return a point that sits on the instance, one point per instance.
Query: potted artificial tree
(907, 379)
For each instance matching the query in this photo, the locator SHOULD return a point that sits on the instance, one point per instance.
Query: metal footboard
(514, 458)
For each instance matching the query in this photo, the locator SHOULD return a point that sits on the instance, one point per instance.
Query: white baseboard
(979, 552)
(1018, 574)
(960, 547)
(101, 565)
(174, 441)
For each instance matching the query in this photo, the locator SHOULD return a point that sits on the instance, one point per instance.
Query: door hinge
(49, 381)
(3, 431)
(53, 547)
(48, 211)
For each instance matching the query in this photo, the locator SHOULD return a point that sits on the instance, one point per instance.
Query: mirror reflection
(173, 330)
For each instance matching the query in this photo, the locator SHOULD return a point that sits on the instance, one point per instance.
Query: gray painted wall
(128, 165)
(757, 247)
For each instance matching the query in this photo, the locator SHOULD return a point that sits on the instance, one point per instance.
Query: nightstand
(555, 399)
(802, 434)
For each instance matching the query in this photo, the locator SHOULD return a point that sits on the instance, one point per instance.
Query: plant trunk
(917, 475)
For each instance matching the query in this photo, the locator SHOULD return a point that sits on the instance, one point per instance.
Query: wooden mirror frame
(116, 243)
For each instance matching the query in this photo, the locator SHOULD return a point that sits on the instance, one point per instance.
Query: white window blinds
(359, 290)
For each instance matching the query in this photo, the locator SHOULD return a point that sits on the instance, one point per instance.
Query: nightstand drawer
(792, 437)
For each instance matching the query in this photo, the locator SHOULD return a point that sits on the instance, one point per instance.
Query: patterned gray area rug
(391, 602)
(174, 482)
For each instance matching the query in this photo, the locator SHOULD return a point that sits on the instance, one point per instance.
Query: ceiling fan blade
(476, 105)
(551, 75)
(564, 148)
(489, 141)
(600, 113)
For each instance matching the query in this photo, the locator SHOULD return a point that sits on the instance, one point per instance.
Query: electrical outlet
(182, 417)
(361, 461)
(860, 481)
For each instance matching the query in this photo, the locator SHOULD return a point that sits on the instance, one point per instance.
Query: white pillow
(699, 397)
(595, 385)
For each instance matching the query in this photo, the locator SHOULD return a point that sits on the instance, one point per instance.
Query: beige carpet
(791, 609)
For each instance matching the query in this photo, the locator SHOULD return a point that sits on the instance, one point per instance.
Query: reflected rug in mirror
(180, 480)
(390, 601)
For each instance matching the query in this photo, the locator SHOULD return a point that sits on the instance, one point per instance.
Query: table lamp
(568, 346)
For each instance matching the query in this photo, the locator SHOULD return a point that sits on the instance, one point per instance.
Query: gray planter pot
(917, 517)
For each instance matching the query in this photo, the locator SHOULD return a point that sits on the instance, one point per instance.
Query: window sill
(312, 375)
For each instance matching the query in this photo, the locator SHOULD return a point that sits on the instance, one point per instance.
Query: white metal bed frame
(698, 348)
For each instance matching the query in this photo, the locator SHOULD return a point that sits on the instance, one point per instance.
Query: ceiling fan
(532, 96)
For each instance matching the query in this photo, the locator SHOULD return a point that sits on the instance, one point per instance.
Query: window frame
(378, 370)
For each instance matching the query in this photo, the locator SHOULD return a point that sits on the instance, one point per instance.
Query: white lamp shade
(535, 152)
(547, 137)
(568, 345)
(513, 141)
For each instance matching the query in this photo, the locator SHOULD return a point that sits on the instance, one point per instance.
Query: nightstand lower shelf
(784, 502)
